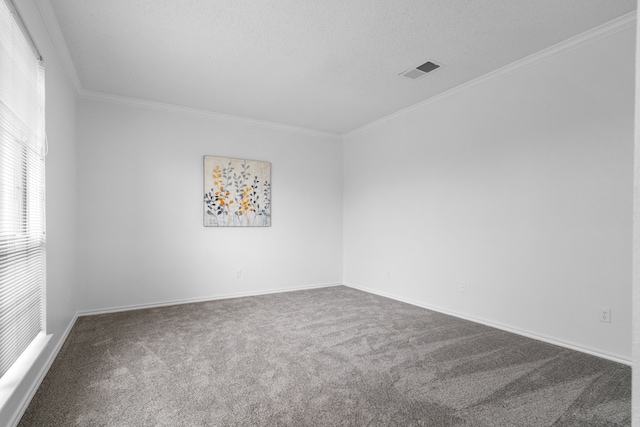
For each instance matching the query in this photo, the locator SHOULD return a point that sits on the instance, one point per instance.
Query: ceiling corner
(53, 27)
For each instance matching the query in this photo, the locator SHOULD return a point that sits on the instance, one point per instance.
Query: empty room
(285, 213)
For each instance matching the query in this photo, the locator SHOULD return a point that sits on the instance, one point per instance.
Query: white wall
(141, 187)
(63, 292)
(519, 187)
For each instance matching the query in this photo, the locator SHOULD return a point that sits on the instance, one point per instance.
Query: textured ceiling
(329, 65)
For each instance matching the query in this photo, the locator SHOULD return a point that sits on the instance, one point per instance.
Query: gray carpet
(325, 357)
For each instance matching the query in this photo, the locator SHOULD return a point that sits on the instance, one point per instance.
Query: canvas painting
(237, 192)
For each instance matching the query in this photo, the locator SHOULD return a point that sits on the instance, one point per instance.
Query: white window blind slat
(22, 190)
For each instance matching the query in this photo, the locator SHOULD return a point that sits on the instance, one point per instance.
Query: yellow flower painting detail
(237, 192)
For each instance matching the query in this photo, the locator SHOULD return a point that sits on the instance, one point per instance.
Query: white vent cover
(416, 73)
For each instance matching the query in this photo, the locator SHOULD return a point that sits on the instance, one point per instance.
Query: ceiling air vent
(416, 73)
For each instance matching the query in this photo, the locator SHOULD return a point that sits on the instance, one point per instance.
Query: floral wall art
(237, 192)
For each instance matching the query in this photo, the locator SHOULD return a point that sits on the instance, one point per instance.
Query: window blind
(22, 189)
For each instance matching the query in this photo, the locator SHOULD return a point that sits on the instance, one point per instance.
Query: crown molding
(161, 106)
(53, 27)
(590, 36)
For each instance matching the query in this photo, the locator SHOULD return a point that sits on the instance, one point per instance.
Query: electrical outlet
(238, 274)
(604, 314)
(463, 288)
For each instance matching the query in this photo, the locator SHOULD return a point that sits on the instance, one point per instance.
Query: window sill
(12, 379)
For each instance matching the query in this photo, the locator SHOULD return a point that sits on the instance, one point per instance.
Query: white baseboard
(24, 404)
(203, 299)
(45, 368)
(551, 340)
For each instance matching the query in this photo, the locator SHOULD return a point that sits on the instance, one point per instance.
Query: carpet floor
(324, 357)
